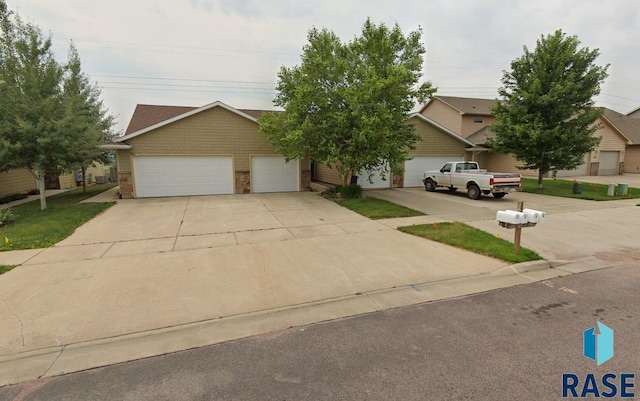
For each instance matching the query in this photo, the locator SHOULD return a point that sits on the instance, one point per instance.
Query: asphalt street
(509, 344)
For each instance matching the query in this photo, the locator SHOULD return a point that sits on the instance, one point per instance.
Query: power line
(182, 79)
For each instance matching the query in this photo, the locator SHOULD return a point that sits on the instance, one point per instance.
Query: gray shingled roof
(468, 105)
(629, 126)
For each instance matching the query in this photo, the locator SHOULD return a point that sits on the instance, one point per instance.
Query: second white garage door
(609, 163)
(581, 170)
(273, 174)
(182, 175)
(415, 168)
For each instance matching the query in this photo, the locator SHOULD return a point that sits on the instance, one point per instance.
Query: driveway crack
(266, 273)
(54, 362)
(17, 318)
(184, 213)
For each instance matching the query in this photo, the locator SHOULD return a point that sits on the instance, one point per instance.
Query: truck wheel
(429, 185)
(499, 195)
(453, 189)
(473, 192)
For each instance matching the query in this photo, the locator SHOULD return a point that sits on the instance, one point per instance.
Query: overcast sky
(194, 52)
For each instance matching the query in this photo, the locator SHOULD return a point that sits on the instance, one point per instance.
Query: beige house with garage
(463, 115)
(214, 149)
(437, 146)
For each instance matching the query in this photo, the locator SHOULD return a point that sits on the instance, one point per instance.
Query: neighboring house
(630, 127)
(20, 181)
(214, 149)
(463, 114)
(437, 146)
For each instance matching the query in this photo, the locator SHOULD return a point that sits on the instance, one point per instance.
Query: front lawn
(34, 228)
(375, 208)
(564, 188)
(466, 237)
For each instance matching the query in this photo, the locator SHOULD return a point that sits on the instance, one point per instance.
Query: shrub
(11, 198)
(350, 191)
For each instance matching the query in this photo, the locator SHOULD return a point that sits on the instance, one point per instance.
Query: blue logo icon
(598, 343)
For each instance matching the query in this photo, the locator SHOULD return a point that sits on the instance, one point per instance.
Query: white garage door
(182, 175)
(608, 163)
(377, 181)
(273, 174)
(581, 170)
(415, 168)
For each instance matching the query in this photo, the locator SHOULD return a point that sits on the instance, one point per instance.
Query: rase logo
(597, 345)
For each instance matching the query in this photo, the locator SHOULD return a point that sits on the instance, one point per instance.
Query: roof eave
(115, 146)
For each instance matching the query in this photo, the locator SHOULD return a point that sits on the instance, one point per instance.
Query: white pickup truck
(454, 175)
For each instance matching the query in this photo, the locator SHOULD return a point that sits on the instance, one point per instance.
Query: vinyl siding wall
(444, 114)
(16, 182)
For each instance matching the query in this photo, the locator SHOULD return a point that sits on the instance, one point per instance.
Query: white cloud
(241, 44)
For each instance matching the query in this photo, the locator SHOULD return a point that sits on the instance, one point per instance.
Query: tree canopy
(51, 118)
(546, 117)
(347, 104)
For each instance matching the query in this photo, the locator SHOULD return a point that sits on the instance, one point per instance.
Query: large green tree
(86, 123)
(29, 101)
(347, 104)
(546, 117)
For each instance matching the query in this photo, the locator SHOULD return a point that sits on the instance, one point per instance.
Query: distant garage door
(415, 168)
(581, 170)
(377, 182)
(182, 175)
(609, 163)
(273, 174)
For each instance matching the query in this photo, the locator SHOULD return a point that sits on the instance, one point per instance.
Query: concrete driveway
(153, 265)
(574, 229)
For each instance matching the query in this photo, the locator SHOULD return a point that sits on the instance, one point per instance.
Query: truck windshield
(466, 166)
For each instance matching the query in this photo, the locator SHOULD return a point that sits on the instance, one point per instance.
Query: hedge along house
(214, 149)
(472, 119)
(437, 146)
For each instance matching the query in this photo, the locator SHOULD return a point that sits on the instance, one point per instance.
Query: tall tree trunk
(84, 179)
(41, 184)
(540, 175)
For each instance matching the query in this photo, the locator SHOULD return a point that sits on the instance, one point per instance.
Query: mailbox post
(518, 220)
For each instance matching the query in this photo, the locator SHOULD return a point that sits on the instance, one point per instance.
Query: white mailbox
(534, 216)
(511, 217)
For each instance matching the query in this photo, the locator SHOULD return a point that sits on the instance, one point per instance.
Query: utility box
(577, 187)
(77, 173)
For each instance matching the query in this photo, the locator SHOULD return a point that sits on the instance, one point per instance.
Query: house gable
(182, 116)
(462, 115)
(436, 138)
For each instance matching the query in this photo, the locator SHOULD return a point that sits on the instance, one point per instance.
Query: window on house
(478, 120)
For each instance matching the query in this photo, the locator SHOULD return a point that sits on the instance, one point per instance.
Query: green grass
(34, 228)
(374, 208)
(466, 237)
(4, 269)
(564, 188)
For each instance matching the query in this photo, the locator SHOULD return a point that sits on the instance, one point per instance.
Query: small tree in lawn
(86, 123)
(29, 101)
(347, 103)
(546, 117)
